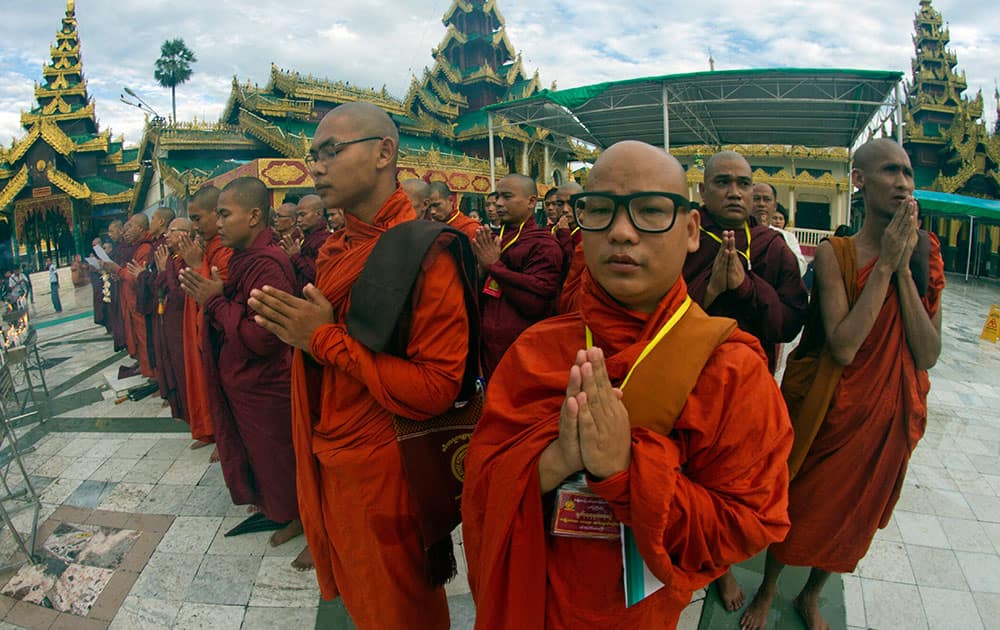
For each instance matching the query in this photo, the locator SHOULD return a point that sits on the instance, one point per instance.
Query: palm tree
(174, 67)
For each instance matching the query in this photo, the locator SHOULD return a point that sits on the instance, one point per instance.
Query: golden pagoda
(949, 144)
(265, 131)
(65, 179)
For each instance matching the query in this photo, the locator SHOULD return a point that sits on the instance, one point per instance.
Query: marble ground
(111, 468)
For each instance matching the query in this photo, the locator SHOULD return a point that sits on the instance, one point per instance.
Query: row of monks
(632, 426)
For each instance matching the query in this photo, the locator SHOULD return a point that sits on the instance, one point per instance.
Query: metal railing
(810, 237)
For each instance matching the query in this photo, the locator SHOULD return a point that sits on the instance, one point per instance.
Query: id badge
(579, 513)
(491, 288)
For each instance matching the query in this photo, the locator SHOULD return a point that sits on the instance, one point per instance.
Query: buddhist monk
(560, 418)
(169, 319)
(850, 478)
(310, 219)
(565, 229)
(522, 267)
(247, 368)
(202, 253)
(767, 212)
(358, 513)
(283, 221)
(419, 194)
(146, 298)
(121, 253)
(743, 270)
(441, 208)
(98, 288)
(137, 234)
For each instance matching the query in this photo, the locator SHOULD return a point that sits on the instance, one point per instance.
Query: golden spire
(70, 8)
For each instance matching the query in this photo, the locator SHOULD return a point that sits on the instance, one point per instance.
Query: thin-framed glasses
(329, 149)
(649, 211)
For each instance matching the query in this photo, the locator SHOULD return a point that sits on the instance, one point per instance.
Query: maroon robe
(771, 303)
(248, 377)
(121, 253)
(305, 261)
(100, 306)
(568, 241)
(528, 278)
(147, 299)
(168, 334)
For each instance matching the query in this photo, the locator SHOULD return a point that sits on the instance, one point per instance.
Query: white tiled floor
(936, 566)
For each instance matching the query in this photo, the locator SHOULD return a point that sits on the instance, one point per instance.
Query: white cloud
(384, 42)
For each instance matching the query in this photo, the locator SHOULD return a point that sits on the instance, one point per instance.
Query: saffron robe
(305, 261)
(121, 253)
(464, 224)
(199, 414)
(135, 318)
(248, 378)
(169, 329)
(528, 274)
(356, 509)
(852, 474)
(772, 301)
(697, 500)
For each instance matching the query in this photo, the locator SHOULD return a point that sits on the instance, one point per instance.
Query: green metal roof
(296, 127)
(792, 106)
(104, 185)
(932, 202)
(130, 155)
(414, 143)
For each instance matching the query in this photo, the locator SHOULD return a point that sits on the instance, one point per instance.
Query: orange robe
(852, 475)
(464, 224)
(697, 500)
(135, 321)
(199, 414)
(358, 515)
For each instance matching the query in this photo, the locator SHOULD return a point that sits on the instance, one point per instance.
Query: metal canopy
(786, 106)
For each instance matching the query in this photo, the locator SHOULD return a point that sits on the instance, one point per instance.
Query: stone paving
(937, 565)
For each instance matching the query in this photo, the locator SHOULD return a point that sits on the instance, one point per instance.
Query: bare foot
(288, 532)
(198, 444)
(755, 616)
(730, 592)
(304, 561)
(808, 608)
(214, 457)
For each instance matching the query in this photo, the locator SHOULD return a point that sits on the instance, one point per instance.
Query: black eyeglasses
(649, 211)
(329, 149)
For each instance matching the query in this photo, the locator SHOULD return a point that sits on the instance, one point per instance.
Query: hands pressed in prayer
(291, 319)
(135, 268)
(900, 237)
(486, 247)
(191, 251)
(162, 255)
(602, 420)
(291, 246)
(199, 287)
(735, 273)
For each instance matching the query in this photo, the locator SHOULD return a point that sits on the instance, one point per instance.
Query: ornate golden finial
(70, 8)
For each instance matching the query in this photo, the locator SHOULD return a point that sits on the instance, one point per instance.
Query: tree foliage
(174, 68)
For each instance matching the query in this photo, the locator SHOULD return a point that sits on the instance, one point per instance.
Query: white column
(666, 120)
(547, 175)
(493, 159)
(791, 206)
(525, 167)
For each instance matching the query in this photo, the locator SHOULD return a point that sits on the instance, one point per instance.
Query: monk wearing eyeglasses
(631, 432)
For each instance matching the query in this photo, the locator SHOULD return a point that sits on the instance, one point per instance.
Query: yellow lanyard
(571, 233)
(676, 317)
(513, 240)
(453, 217)
(745, 254)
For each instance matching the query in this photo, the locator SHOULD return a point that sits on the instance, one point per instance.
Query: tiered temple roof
(949, 144)
(64, 162)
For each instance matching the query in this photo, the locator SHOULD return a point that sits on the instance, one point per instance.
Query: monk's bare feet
(755, 616)
(304, 561)
(730, 592)
(214, 457)
(198, 444)
(286, 533)
(808, 607)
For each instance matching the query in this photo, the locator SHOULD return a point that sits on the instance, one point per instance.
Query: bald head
(516, 198)
(207, 198)
(161, 219)
(249, 193)
(713, 163)
(874, 151)
(523, 183)
(141, 220)
(180, 223)
(115, 230)
(310, 214)
(367, 119)
(177, 229)
(419, 193)
(641, 161)
(727, 190)
(569, 188)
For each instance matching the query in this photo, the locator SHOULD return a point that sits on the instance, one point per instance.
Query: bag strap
(660, 385)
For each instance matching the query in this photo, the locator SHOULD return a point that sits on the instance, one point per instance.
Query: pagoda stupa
(66, 179)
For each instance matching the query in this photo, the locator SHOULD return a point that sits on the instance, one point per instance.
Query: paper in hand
(101, 254)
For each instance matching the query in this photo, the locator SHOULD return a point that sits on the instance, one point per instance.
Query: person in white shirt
(769, 212)
(54, 283)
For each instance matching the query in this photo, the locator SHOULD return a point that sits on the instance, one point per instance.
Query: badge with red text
(579, 513)
(491, 288)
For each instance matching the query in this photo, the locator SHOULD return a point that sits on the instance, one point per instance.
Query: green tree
(173, 68)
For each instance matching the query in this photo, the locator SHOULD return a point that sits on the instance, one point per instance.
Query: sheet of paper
(93, 262)
(101, 254)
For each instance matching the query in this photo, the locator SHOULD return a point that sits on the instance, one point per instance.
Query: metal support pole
(666, 120)
(899, 112)
(968, 258)
(493, 160)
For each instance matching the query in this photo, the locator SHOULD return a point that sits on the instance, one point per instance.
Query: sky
(372, 43)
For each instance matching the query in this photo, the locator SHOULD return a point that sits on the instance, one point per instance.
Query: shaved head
(523, 183)
(872, 152)
(180, 223)
(117, 224)
(439, 188)
(164, 214)
(207, 198)
(419, 193)
(569, 188)
(639, 160)
(249, 193)
(712, 164)
(367, 120)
